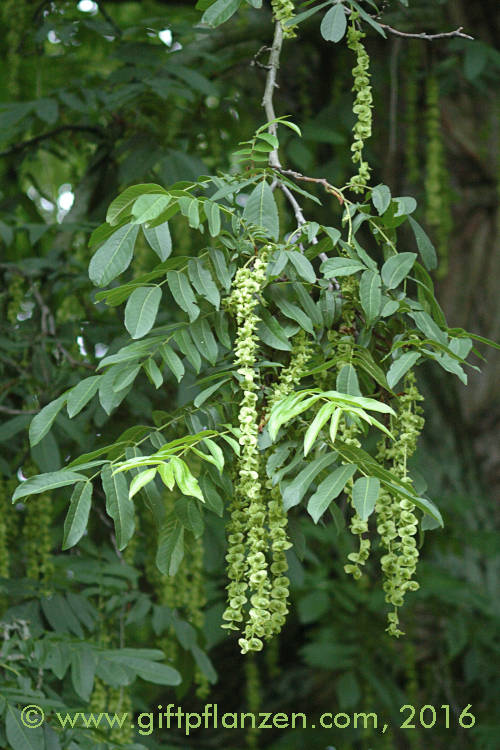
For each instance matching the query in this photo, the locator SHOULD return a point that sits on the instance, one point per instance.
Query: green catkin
(277, 516)
(4, 542)
(15, 297)
(283, 11)
(253, 698)
(273, 658)
(195, 607)
(397, 523)
(99, 698)
(358, 526)
(247, 523)
(437, 183)
(412, 689)
(37, 541)
(119, 702)
(362, 107)
(13, 21)
(348, 431)
(412, 115)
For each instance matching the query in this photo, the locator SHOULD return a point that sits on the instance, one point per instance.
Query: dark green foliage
(123, 400)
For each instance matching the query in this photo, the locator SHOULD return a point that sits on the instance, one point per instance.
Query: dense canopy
(249, 255)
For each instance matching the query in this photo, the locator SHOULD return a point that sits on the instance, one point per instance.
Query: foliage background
(95, 102)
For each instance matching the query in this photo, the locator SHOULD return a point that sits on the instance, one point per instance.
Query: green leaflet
(306, 14)
(294, 312)
(45, 482)
(170, 547)
(81, 394)
(220, 12)
(365, 492)
(307, 304)
(182, 293)
(221, 325)
(260, 209)
(381, 198)
(83, 667)
(153, 372)
(334, 24)
(173, 362)
(190, 516)
(154, 501)
(19, 735)
(319, 421)
(202, 280)
(405, 205)
(400, 367)
(114, 257)
(124, 376)
(336, 267)
(218, 260)
(185, 481)
(109, 395)
(347, 381)
(42, 422)
(429, 327)
(145, 663)
(121, 207)
(141, 480)
(159, 239)
(367, 17)
(216, 452)
(213, 500)
(370, 295)
(334, 424)
(424, 244)
(272, 333)
(149, 207)
(328, 490)
(118, 505)
(397, 268)
(297, 488)
(287, 409)
(141, 310)
(328, 307)
(204, 339)
(77, 516)
(303, 266)
(207, 392)
(212, 212)
(184, 341)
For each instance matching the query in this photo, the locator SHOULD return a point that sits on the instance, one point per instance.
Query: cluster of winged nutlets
(362, 107)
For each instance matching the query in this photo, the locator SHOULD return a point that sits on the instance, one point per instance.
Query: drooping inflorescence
(278, 520)
(362, 107)
(437, 189)
(247, 573)
(284, 11)
(396, 520)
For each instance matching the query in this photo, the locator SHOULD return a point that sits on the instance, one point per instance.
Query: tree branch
(108, 18)
(319, 180)
(267, 99)
(274, 161)
(6, 410)
(427, 37)
(50, 134)
(300, 223)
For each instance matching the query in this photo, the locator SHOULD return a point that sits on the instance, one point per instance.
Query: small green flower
(283, 11)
